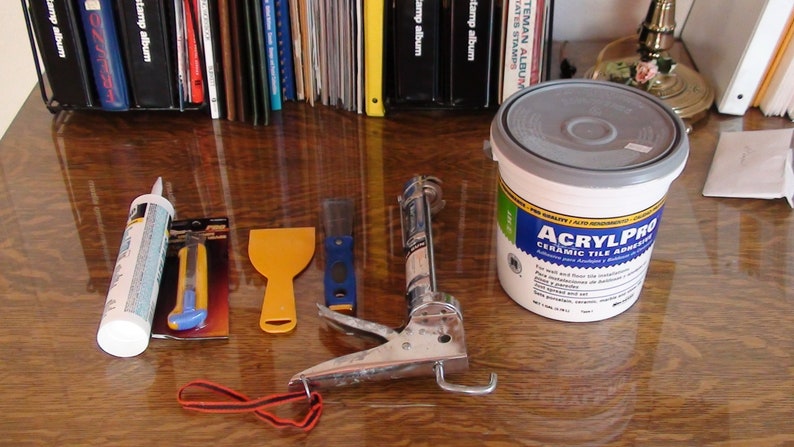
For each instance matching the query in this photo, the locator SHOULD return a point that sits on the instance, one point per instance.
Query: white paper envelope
(753, 164)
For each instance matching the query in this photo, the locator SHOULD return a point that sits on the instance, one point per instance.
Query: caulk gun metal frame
(432, 342)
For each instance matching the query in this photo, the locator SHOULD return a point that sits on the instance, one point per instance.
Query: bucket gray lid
(590, 133)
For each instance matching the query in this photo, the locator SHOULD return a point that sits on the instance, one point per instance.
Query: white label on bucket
(572, 268)
(639, 147)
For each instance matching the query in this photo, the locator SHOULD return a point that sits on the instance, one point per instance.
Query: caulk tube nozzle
(157, 188)
(126, 323)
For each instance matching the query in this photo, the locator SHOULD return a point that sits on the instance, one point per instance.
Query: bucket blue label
(574, 241)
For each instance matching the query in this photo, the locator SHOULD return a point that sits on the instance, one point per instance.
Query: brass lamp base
(681, 88)
(684, 90)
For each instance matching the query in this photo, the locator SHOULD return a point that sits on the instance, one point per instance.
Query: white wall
(605, 19)
(17, 72)
(573, 20)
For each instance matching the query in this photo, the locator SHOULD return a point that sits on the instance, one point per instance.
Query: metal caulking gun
(432, 341)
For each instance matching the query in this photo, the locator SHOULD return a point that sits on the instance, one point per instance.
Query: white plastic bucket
(584, 169)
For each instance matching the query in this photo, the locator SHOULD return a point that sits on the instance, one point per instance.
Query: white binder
(731, 43)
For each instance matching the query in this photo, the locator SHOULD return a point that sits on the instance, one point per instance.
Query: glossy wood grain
(706, 356)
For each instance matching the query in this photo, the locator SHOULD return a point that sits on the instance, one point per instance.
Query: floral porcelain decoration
(641, 73)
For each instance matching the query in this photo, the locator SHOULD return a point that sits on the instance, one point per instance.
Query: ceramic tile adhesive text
(584, 169)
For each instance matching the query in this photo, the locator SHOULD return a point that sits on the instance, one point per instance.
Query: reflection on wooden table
(704, 357)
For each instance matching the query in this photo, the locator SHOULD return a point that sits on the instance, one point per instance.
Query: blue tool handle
(190, 317)
(340, 276)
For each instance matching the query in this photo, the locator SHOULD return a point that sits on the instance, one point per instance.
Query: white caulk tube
(126, 324)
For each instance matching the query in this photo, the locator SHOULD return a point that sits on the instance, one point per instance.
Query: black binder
(60, 40)
(258, 93)
(146, 37)
(470, 53)
(416, 28)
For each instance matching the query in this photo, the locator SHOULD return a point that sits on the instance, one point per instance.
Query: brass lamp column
(657, 31)
(683, 89)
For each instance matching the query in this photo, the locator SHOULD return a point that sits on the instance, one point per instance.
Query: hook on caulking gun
(432, 342)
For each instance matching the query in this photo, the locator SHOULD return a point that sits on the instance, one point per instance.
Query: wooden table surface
(705, 357)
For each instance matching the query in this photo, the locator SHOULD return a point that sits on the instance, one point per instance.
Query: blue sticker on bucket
(574, 241)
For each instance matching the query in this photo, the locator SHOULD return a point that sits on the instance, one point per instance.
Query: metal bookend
(432, 342)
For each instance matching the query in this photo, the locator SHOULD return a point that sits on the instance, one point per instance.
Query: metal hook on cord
(306, 388)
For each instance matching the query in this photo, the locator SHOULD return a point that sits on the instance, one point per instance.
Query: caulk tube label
(126, 323)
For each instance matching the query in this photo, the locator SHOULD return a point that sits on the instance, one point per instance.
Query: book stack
(526, 36)
(244, 59)
(468, 53)
(775, 96)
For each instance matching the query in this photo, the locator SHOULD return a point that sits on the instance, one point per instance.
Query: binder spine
(260, 90)
(519, 45)
(240, 69)
(209, 39)
(297, 48)
(374, 24)
(285, 56)
(146, 37)
(471, 30)
(195, 66)
(105, 53)
(181, 54)
(59, 35)
(227, 58)
(271, 48)
(539, 43)
(416, 51)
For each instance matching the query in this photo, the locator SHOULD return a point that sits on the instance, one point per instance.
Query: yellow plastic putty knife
(280, 254)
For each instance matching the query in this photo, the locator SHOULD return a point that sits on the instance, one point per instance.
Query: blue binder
(105, 54)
